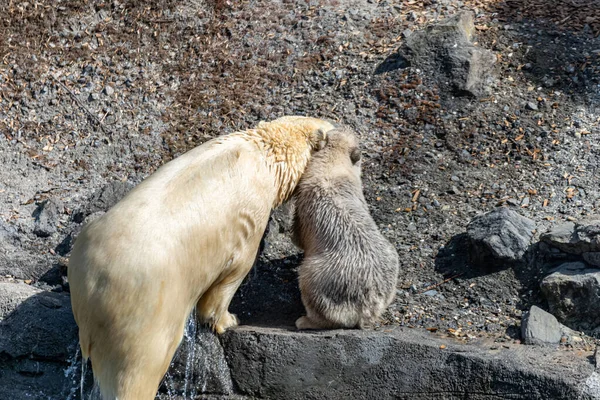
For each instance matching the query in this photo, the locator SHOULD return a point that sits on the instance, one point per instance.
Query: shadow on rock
(391, 63)
(270, 294)
(56, 276)
(38, 345)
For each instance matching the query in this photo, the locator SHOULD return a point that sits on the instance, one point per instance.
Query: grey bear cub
(349, 273)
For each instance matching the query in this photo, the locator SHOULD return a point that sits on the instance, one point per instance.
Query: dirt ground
(97, 95)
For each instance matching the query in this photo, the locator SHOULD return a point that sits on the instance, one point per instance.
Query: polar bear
(349, 273)
(185, 237)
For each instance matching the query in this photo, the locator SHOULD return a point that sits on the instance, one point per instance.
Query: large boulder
(446, 48)
(38, 343)
(500, 236)
(576, 238)
(573, 295)
(396, 364)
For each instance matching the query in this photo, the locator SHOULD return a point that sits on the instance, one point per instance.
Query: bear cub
(349, 273)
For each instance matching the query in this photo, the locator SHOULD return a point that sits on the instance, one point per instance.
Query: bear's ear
(355, 155)
(320, 139)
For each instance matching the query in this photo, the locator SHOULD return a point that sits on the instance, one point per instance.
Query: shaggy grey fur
(349, 273)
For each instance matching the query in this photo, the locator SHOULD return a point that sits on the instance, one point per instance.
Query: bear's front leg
(212, 308)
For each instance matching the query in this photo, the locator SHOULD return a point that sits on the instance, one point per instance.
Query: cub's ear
(320, 139)
(355, 155)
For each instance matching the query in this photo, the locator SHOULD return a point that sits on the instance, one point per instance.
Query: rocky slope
(456, 119)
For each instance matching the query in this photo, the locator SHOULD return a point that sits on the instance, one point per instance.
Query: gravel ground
(94, 97)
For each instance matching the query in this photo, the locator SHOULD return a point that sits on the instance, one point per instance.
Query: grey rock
(454, 190)
(46, 217)
(398, 364)
(447, 46)
(502, 235)
(592, 258)
(532, 106)
(575, 238)
(109, 91)
(17, 261)
(276, 242)
(573, 295)
(540, 327)
(12, 295)
(103, 199)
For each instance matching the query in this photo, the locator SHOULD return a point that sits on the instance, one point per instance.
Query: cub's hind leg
(313, 320)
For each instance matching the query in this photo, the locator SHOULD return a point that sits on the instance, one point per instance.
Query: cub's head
(342, 146)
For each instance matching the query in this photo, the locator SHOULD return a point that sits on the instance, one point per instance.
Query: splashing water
(188, 344)
(190, 338)
(71, 374)
(82, 380)
(169, 384)
(76, 374)
(190, 390)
